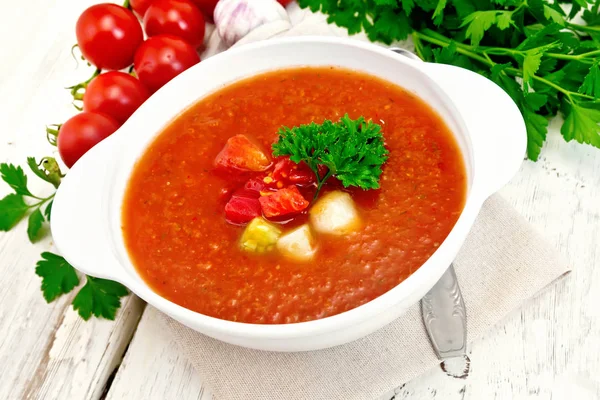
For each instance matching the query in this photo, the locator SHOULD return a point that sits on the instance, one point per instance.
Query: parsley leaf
(48, 210)
(389, 26)
(408, 6)
(58, 276)
(581, 124)
(591, 83)
(438, 13)
(553, 15)
(12, 210)
(537, 129)
(100, 297)
(480, 21)
(34, 225)
(16, 178)
(352, 150)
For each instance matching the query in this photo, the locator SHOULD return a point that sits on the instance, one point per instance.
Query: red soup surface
(182, 245)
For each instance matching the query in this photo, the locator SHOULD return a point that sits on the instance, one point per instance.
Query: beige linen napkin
(503, 263)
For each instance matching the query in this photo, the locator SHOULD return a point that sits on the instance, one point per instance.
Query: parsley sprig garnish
(352, 150)
(533, 49)
(98, 297)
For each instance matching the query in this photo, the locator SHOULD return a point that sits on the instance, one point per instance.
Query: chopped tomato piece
(282, 202)
(242, 154)
(242, 207)
(288, 171)
(256, 184)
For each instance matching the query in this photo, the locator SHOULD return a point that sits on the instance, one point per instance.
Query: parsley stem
(435, 38)
(445, 42)
(583, 28)
(320, 182)
(547, 82)
(42, 200)
(418, 45)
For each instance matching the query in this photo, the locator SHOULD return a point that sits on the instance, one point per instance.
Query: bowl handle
(495, 124)
(80, 218)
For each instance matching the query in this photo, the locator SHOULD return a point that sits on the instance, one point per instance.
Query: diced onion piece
(335, 214)
(298, 244)
(259, 236)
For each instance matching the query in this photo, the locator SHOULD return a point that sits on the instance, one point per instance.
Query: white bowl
(86, 215)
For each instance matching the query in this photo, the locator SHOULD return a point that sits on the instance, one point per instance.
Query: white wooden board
(549, 349)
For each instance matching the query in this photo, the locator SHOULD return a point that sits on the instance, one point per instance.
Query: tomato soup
(183, 245)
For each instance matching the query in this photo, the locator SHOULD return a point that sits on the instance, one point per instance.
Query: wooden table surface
(549, 349)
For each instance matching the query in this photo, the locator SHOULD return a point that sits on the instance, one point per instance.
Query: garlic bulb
(234, 19)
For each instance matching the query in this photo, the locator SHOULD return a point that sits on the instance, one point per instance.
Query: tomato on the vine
(82, 132)
(140, 6)
(115, 94)
(175, 17)
(108, 35)
(207, 7)
(161, 58)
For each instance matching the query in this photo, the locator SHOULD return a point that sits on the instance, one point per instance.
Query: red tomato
(288, 171)
(108, 35)
(242, 207)
(161, 58)
(207, 7)
(115, 94)
(242, 154)
(140, 6)
(284, 2)
(81, 133)
(283, 202)
(175, 17)
(256, 185)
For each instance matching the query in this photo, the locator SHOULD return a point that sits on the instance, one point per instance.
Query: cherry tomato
(175, 17)
(161, 58)
(115, 94)
(81, 133)
(207, 7)
(108, 35)
(284, 2)
(140, 6)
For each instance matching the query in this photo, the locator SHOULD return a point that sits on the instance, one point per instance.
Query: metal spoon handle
(445, 317)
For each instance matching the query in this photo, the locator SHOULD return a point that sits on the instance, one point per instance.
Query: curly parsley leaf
(58, 276)
(352, 150)
(16, 178)
(99, 297)
(12, 210)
